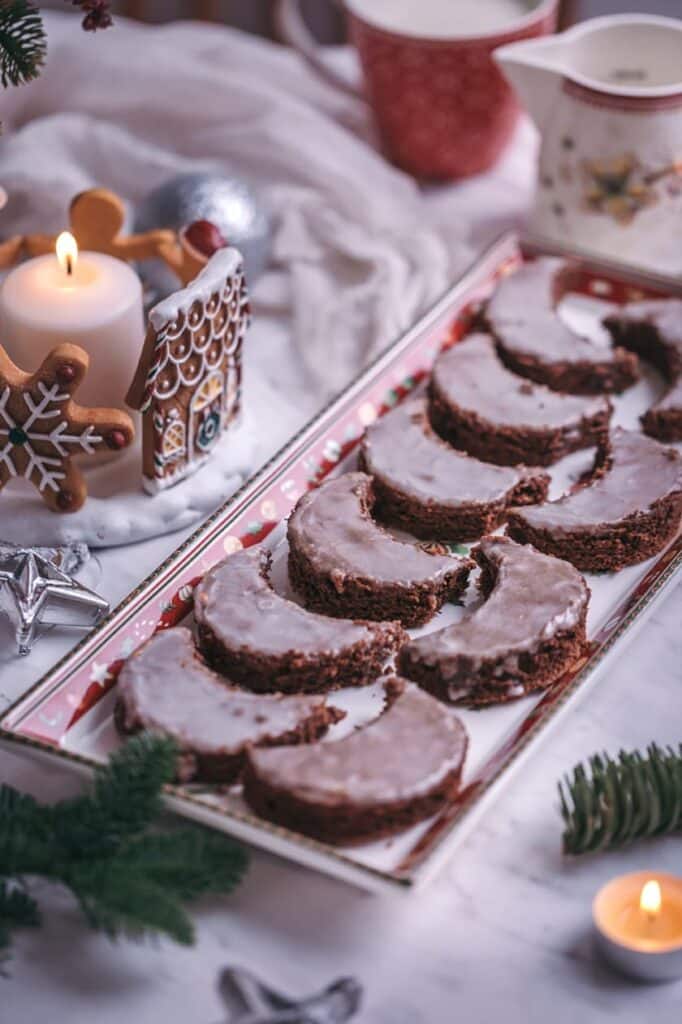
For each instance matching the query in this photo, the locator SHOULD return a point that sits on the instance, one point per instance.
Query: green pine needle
(22, 42)
(126, 797)
(17, 910)
(128, 880)
(123, 902)
(190, 861)
(612, 803)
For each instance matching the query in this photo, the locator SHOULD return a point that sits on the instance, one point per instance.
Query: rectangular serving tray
(67, 715)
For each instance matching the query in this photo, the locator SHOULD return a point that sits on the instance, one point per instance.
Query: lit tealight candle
(638, 919)
(89, 299)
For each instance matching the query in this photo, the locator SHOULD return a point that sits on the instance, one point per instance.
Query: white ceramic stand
(118, 511)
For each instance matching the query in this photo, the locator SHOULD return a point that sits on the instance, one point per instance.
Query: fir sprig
(129, 879)
(22, 42)
(17, 910)
(611, 802)
(22, 36)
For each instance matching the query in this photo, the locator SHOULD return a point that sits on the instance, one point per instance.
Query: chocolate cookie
(432, 490)
(343, 563)
(478, 405)
(265, 642)
(397, 770)
(654, 331)
(166, 687)
(528, 632)
(534, 341)
(629, 513)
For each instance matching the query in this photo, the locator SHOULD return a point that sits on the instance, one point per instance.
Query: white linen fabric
(359, 250)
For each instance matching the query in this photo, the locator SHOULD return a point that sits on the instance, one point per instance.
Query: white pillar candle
(88, 299)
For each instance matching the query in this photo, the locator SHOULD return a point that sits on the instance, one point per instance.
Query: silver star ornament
(251, 1001)
(37, 591)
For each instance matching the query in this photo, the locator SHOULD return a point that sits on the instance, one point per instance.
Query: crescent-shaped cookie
(534, 341)
(654, 331)
(478, 405)
(265, 642)
(166, 687)
(343, 563)
(528, 632)
(399, 769)
(629, 513)
(425, 486)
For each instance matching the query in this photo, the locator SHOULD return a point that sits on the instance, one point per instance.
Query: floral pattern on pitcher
(612, 186)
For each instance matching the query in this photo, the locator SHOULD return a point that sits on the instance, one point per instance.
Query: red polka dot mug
(442, 106)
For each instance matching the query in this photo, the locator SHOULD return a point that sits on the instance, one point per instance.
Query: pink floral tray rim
(43, 717)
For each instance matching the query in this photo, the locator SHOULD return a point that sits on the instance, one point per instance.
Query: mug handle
(293, 30)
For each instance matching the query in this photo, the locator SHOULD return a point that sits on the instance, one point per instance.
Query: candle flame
(651, 899)
(67, 251)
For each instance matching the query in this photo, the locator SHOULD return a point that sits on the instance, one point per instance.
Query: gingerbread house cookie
(187, 383)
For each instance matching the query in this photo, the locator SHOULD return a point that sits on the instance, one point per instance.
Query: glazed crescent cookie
(265, 642)
(402, 767)
(534, 341)
(629, 513)
(42, 428)
(97, 218)
(166, 687)
(478, 405)
(344, 564)
(529, 631)
(653, 330)
(428, 488)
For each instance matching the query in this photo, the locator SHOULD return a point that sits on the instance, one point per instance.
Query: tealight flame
(67, 251)
(650, 899)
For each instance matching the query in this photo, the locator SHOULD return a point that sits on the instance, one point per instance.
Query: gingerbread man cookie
(188, 381)
(10, 250)
(190, 252)
(96, 219)
(42, 428)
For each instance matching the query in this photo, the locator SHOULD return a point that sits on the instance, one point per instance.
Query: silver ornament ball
(227, 201)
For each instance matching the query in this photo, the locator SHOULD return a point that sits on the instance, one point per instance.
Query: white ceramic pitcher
(607, 98)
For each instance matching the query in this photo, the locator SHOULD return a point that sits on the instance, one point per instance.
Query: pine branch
(612, 803)
(126, 797)
(25, 834)
(17, 910)
(22, 42)
(191, 862)
(118, 902)
(127, 879)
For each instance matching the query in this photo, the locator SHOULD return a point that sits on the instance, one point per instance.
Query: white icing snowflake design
(24, 436)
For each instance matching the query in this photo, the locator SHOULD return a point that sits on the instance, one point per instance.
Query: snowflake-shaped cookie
(42, 428)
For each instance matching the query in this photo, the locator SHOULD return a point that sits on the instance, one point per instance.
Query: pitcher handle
(293, 30)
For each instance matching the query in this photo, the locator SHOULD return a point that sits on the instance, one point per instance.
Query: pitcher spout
(535, 68)
(626, 55)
